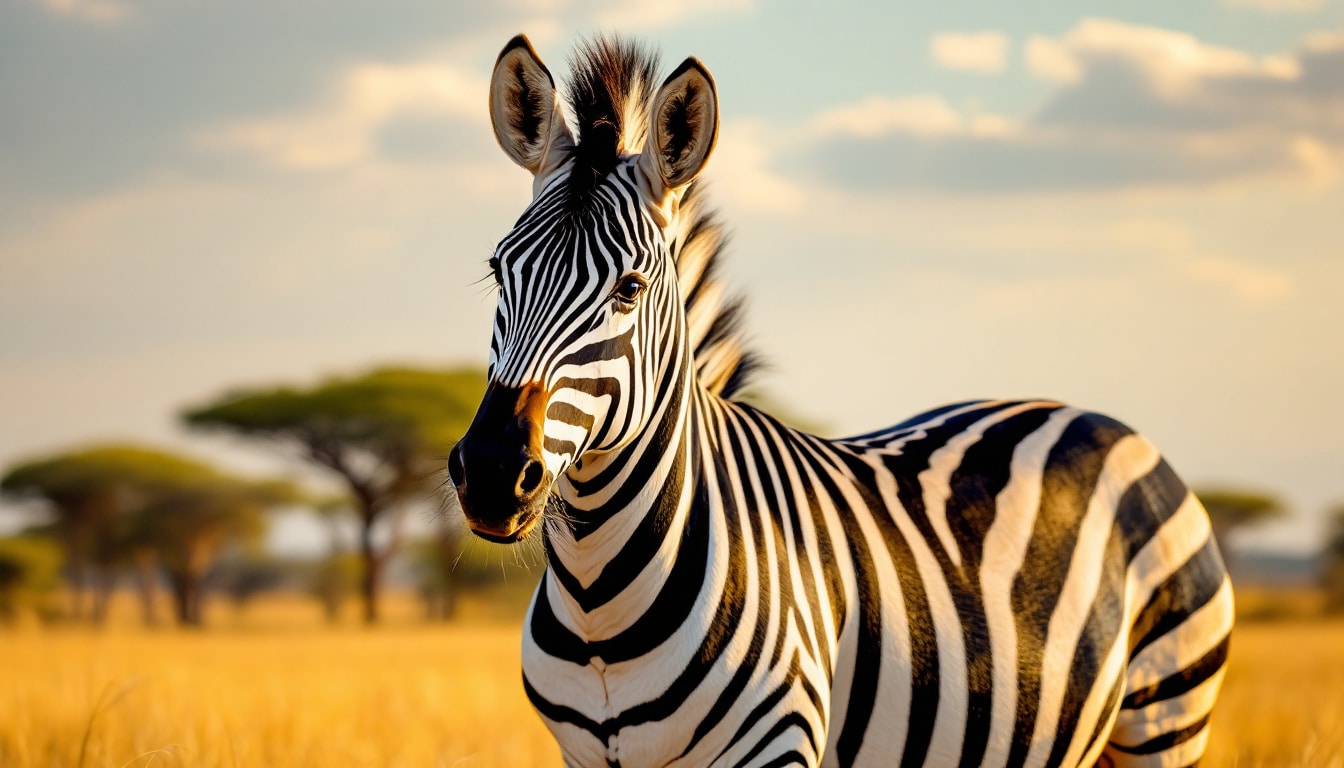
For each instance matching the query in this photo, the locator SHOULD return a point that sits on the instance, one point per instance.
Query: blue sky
(1133, 206)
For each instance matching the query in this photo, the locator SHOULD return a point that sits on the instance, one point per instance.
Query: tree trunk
(369, 588)
(372, 576)
(333, 598)
(331, 608)
(187, 598)
(79, 577)
(145, 577)
(102, 594)
(179, 588)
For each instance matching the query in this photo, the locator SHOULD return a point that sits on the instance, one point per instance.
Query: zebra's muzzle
(498, 468)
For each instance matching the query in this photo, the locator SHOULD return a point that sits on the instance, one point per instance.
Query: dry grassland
(262, 693)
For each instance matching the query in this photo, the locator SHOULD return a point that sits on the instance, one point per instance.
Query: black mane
(609, 92)
(610, 86)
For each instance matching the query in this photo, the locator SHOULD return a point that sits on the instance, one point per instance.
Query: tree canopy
(388, 408)
(117, 504)
(385, 434)
(1232, 508)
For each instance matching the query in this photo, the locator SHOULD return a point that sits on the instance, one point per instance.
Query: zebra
(990, 583)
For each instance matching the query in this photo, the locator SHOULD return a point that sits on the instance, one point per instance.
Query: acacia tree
(385, 435)
(30, 569)
(190, 516)
(119, 506)
(1231, 509)
(90, 493)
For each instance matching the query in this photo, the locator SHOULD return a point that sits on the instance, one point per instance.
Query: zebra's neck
(630, 512)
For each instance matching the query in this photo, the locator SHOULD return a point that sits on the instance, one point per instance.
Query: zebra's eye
(494, 268)
(628, 290)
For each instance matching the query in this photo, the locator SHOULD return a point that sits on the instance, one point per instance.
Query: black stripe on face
(557, 267)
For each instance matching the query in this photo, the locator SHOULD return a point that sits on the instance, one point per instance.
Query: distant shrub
(30, 576)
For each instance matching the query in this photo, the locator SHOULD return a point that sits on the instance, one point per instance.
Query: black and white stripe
(991, 583)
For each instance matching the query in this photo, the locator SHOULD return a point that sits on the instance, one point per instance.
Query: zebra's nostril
(530, 479)
(457, 472)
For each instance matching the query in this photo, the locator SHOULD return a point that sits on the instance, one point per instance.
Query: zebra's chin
(523, 526)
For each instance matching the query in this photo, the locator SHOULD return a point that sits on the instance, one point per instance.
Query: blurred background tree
(434, 561)
(331, 580)
(385, 435)
(88, 495)
(191, 516)
(1232, 509)
(334, 578)
(126, 507)
(1332, 573)
(245, 572)
(30, 574)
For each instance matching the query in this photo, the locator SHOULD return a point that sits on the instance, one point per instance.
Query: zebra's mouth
(524, 525)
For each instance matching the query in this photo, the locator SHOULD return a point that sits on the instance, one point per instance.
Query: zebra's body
(995, 583)
(890, 601)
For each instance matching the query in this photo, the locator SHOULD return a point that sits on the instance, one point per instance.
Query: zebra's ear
(525, 110)
(683, 126)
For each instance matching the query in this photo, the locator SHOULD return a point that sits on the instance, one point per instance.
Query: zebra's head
(590, 318)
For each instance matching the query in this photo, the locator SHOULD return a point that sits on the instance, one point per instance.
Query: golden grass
(260, 692)
(1283, 698)
(398, 696)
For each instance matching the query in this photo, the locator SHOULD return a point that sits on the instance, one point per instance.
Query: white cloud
(95, 11)
(984, 52)
(924, 116)
(739, 172)
(1325, 41)
(1050, 59)
(1134, 107)
(341, 132)
(1254, 285)
(1318, 162)
(1172, 61)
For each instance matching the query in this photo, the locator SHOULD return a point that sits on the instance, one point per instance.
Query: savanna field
(274, 686)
